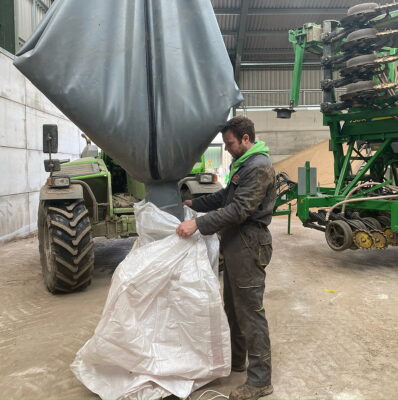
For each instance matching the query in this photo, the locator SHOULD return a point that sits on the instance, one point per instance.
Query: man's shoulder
(258, 160)
(256, 164)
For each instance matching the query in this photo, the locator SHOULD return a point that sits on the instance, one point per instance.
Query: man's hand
(187, 228)
(188, 203)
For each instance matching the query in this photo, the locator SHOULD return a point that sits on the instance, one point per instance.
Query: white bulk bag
(163, 329)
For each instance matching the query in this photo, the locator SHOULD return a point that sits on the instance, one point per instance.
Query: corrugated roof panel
(310, 3)
(285, 22)
(225, 3)
(263, 42)
(304, 3)
(282, 22)
(277, 83)
(230, 42)
(228, 22)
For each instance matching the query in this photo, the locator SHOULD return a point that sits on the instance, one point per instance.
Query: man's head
(238, 135)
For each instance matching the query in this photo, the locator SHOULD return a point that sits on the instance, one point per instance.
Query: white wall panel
(21, 156)
(33, 208)
(12, 82)
(12, 124)
(35, 99)
(68, 133)
(13, 168)
(14, 216)
(35, 167)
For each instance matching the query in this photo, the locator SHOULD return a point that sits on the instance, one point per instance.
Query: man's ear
(246, 138)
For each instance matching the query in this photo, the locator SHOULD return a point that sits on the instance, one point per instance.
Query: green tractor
(87, 198)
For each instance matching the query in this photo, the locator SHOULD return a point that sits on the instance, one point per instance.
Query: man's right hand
(188, 203)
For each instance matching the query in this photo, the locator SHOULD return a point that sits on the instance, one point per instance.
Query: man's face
(235, 147)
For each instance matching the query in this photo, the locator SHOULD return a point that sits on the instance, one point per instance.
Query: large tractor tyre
(66, 245)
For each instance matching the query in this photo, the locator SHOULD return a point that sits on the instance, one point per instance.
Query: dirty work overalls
(243, 212)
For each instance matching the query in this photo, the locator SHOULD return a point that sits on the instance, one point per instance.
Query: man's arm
(209, 202)
(247, 197)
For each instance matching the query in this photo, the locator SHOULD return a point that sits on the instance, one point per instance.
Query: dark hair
(240, 125)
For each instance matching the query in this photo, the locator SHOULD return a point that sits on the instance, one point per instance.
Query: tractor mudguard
(197, 188)
(74, 191)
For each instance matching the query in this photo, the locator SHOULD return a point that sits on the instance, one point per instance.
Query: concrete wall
(286, 137)
(23, 111)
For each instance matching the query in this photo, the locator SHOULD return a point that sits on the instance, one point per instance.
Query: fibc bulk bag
(149, 81)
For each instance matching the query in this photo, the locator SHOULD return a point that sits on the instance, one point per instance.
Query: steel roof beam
(42, 5)
(265, 52)
(281, 11)
(257, 33)
(240, 41)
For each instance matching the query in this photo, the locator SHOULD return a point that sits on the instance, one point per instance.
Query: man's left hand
(187, 228)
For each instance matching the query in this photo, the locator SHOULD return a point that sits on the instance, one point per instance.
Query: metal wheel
(338, 235)
(380, 240)
(363, 239)
(356, 224)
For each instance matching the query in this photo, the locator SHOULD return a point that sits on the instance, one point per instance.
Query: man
(242, 212)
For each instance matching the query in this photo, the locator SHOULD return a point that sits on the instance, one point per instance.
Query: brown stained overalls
(242, 212)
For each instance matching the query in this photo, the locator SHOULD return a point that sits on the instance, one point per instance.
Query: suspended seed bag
(150, 81)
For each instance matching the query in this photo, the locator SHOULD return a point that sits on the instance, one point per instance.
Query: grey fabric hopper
(150, 81)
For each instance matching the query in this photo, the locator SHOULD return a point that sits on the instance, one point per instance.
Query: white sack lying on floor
(163, 329)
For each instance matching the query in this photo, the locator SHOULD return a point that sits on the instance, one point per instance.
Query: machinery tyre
(384, 221)
(367, 33)
(66, 245)
(358, 224)
(338, 235)
(360, 86)
(186, 194)
(363, 8)
(361, 60)
(374, 222)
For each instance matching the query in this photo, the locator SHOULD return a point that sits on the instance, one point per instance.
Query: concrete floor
(333, 319)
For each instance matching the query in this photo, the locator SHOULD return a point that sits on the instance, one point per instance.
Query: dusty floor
(333, 319)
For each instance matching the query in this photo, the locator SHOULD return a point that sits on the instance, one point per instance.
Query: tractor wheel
(66, 245)
(338, 235)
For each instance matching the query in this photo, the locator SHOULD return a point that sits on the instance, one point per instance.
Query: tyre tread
(71, 245)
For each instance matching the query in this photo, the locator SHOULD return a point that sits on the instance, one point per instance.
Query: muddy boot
(248, 392)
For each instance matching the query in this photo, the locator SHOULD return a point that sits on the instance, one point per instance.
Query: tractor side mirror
(50, 139)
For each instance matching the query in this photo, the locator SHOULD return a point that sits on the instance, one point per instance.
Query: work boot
(248, 392)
